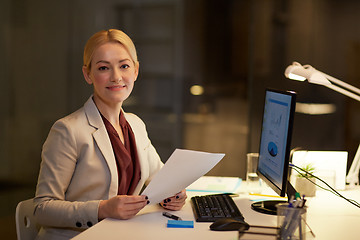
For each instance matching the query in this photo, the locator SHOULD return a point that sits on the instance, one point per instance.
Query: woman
(96, 160)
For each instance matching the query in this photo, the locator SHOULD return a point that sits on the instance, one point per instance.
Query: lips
(116, 87)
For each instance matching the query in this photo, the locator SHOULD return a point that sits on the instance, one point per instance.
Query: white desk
(330, 217)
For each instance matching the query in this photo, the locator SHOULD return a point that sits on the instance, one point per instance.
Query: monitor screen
(275, 140)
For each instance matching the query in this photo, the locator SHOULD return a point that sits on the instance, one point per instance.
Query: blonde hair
(105, 36)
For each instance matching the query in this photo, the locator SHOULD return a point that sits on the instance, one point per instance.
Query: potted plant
(303, 185)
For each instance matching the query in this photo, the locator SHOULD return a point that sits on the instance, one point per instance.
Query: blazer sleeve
(59, 158)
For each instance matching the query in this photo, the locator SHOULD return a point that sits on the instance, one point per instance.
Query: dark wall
(234, 48)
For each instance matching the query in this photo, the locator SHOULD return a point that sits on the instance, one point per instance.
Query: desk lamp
(299, 72)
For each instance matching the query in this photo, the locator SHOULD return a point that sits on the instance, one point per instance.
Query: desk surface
(330, 217)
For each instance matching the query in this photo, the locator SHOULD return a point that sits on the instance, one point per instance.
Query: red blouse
(127, 160)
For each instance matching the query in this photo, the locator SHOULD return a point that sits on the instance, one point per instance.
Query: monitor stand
(269, 206)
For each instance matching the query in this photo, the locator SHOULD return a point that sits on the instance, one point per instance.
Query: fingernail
(146, 197)
(168, 200)
(177, 197)
(148, 202)
(164, 205)
(165, 201)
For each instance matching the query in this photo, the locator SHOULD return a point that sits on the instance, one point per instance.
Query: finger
(173, 207)
(133, 208)
(177, 201)
(181, 195)
(130, 204)
(133, 199)
(136, 206)
(130, 209)
(166, 205)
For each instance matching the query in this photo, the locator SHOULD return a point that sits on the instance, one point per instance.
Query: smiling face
(112, 73)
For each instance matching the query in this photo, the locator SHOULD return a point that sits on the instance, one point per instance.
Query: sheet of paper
(180, 170)
(215, 184)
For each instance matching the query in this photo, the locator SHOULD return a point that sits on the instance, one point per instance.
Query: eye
(102, 68)
(124, 66)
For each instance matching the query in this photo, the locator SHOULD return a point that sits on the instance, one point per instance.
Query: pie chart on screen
(272, 148)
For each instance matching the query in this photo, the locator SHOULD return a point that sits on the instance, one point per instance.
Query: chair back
(26, 226)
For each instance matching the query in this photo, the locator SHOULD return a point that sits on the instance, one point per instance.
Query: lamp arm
(343, 91)
(342, 84)
(353, 175)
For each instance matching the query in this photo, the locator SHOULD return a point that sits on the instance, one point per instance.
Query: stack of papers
(216, 184)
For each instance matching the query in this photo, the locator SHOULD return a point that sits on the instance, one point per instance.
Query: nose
(116, 76)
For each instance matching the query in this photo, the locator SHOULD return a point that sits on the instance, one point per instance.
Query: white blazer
(78, 169)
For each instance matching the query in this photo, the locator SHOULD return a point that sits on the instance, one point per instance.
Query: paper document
(180, 170)
(215, 184)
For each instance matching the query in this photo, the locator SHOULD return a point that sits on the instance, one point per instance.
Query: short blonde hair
(105, 36)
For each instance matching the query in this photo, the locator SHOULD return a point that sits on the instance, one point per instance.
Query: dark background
(233, 48)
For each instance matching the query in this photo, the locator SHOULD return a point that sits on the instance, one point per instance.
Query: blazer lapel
(144, 168)
(102, 140)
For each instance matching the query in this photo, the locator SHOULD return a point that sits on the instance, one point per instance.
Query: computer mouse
(229, 224)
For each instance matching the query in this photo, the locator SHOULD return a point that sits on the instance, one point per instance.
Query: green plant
(309, 168)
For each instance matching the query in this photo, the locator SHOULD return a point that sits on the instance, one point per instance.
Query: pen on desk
(169, 215)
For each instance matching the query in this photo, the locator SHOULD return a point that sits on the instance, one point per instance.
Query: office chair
(26, 226)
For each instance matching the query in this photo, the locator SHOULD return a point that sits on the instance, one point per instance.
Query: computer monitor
(275, 141)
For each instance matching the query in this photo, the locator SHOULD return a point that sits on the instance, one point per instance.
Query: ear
(86, 74)
(136, 70)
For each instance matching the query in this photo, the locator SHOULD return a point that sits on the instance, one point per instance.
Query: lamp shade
(298, 72)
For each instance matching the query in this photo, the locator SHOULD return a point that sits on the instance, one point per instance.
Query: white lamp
(353, 175)
(299, 72)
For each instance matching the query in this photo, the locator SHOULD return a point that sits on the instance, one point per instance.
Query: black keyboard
(209, 208)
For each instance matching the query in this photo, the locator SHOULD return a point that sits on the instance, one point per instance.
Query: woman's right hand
(121, 206)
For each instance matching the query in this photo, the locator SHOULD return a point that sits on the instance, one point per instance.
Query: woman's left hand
(176, 202)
